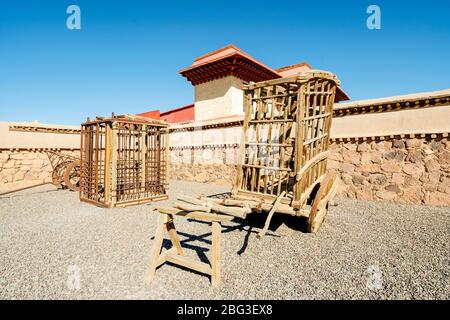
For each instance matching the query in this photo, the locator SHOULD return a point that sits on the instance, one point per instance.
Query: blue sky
(127, 55)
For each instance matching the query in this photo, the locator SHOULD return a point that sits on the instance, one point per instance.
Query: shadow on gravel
(257, 220)
(19, 193)
(252, 224)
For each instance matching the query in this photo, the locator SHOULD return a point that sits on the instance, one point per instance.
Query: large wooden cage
(123, 161)
(286, 135)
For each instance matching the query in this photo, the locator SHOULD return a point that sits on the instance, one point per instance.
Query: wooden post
(82, 160)
(269, 217)
(175, 254)
(167, 158)
(215, 254)
(299, 137)
(143, 153)
(113, 175)
(244, 140)
(108, 154)
(157, 243)
(170, 227)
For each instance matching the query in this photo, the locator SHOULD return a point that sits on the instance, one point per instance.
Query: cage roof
(128, 118)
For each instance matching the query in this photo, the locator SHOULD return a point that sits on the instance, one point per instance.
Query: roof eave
(341, 95)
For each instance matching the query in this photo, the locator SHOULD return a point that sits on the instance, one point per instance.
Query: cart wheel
(319, 208)
(72, 176)
(58, 175)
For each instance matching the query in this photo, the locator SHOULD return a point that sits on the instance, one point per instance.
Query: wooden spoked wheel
(58, 174)
(72, 176)
(319, 208)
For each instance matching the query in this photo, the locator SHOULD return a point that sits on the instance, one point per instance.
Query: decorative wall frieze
(39, 129)
(205, 146)
(390, 137)
(37, 149)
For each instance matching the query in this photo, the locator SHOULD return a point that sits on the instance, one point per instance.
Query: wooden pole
(157, 243)
(269, 217)
(236, 212)
(215, 254)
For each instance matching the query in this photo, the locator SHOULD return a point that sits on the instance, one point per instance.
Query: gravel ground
(365, 250)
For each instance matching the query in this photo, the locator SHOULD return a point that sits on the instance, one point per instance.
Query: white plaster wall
(229, 135)
(423, 120)
(417, 121)
(218, 98)
(236, 96)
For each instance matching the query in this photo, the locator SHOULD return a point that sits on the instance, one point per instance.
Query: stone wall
(222, 174)
(19, 169)
(215, 164)
(409, 170)
(413, 170)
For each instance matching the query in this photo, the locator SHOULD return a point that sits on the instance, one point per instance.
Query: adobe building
(217, 78)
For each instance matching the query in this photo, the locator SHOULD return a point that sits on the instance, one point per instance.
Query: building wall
(425, 120)
(198, 138)
(236, 96)
(409, 170)
(394, 156)
(23, 158)
(29, 140)
(218, 98)
(24, 168)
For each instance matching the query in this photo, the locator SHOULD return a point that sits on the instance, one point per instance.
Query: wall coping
(395, 103)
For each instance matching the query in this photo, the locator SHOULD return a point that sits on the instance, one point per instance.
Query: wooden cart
(282, 168)
(284, 148)
(66, 170)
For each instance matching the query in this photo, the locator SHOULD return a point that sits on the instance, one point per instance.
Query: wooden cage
(285, 138)
(123, 161)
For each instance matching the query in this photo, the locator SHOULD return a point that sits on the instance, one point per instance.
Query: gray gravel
(369, 250)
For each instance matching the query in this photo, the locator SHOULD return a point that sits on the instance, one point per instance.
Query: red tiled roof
(232, 61)
(184, 113)
(293, 69)
(341, 95)
(155, 114)
(177, 109)
(227, 61)
(302, 67)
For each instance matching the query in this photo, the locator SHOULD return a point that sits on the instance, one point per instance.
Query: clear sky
(127, 55)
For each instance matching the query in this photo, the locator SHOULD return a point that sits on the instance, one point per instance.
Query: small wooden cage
(123, 161)
(286, 135)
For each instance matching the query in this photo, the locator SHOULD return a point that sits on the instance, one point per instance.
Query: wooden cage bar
(285, 140)
(123, 161)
